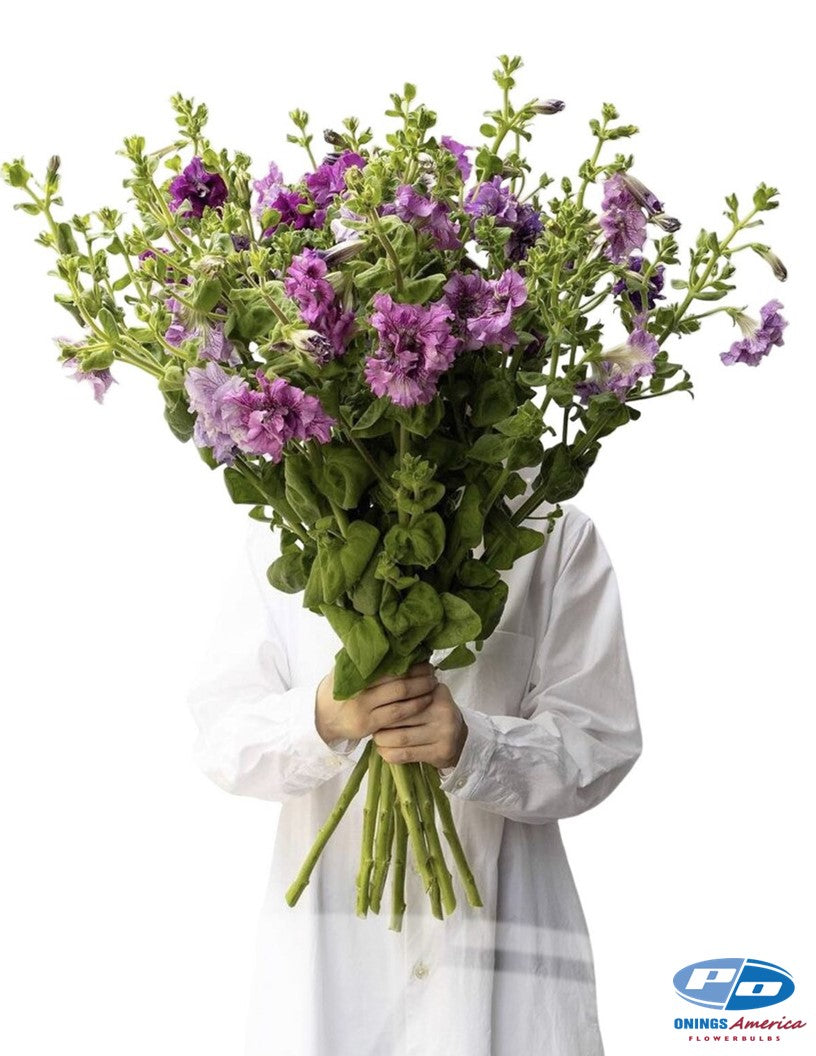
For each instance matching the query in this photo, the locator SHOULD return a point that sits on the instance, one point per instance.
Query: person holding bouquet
(543, 726)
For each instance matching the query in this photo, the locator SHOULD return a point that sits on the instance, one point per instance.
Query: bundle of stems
(401, 804)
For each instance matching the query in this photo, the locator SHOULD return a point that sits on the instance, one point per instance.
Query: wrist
(460, 743)
(324, 728)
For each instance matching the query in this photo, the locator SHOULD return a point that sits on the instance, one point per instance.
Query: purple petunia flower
(307, 285)
(199, 187)
(340, 231)
(467, 295)
(261, 421)
(215, 345)
(427, 215)
(415, 348)
(622, 220)
(527, 228)
(231, 416)
(656, 281)
(460, 153)
(268, 188)
(621, 366)
(493, 199)
(207, 388)
(759, 337)
(100, 380)
(329, 180)
(287, 203)
(494, 327)
(483, 310)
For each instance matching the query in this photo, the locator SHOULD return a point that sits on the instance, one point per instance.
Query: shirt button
(420, 970)
(460, 782)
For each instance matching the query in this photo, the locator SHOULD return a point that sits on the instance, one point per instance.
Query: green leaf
(178, 415)
(564, 478)
(66, 243)
(371, 414)
(367, 592)
(475, 573)
(422, 419)
(466, 528)
(108, 322)
(344, 475)
(289, 572)
(461, 656)
(490, 447)
(409, 619)
(418, 291)
(506, 542)
(362, 636)
(461, 623)
(420, 543)
(493, 401)
(99, 359)
(301, 491)
(206, 294)
(489, 604)
(340, 563)
(525, 452)
(240, 489)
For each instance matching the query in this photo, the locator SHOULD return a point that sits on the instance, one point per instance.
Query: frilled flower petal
(415, 348)
(199, 187)
(622, 220)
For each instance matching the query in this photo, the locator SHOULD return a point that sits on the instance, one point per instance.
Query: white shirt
(552, 730)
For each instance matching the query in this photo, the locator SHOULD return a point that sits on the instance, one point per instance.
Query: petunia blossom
(622, 220)
(621, 367)
(759, 336)
(415, 348)
(202, 189)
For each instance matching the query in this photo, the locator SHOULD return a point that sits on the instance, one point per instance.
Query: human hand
(391, 699)
(436, 734)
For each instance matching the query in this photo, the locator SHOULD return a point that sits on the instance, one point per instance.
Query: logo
(733, 983)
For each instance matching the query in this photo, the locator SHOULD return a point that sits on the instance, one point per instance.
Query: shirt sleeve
(577, 733)
(256, 730)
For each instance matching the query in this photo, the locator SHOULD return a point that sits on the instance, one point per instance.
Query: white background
(131, 885)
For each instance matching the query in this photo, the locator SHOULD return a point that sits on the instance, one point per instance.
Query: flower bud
(210, 265)
(334, 139)
(778, 268)
(343, 251)
(551, 106)
(641, 193)
(666, 223)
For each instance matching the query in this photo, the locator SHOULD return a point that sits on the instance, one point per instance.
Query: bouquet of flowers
(373, 351)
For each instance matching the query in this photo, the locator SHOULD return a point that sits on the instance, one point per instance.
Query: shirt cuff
(467, 776)
(316, 756)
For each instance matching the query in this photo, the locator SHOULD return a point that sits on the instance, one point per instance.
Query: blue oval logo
(733, 983)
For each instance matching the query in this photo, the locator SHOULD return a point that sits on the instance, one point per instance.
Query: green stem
(383, 839)
(410, 812)
(400, 856)
(300, 882)
(449, 829)
(440, 868)
(387, 245)
(280, 504)
(363, 450)
(434, 891)
(369, 819)
(579, 201)
(701, 283)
